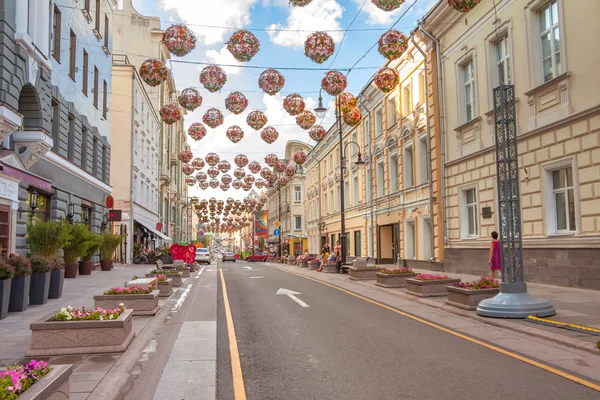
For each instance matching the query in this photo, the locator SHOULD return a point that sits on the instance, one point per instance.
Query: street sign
(277, 232)
(277, 224)
(114, 215)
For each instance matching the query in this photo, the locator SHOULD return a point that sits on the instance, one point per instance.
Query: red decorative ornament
(273, 178)
(347, 102)
(317, 133)
(170, 113)
(271, 81)
(248, 179)
(198, 163)
(269, 134)
(280, 166)
(212, 159)
(299, 157)
(214, 183)
(185, 156)
(154, 72)
(254, 167)
(247, 187)
(259, 183)
(266, 173)
(187, 169)
(463, 5)
(256, 120)
(190, 99)
(243, 45)
(224, 166)
(226, 179)
(293, 104)
(190, 180)
(213, 78)
(387, 5)
(284, 180)
(213, 117)
(334, 82)
(234, 133)
(392, 44)
(271, 159)
(213, 172)
(201, 177)
(386, 79)
(237, 184)
(236, 102)
(179, 40)
(241, 160)
(319, 46)
(353, 117)
(224, 187)
(197, 131)
(239, 173)
(290, 170)
(300, 3)
(306, 120)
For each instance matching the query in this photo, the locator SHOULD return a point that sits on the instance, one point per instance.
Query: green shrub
(110, 242)
(39, 265)
(47, 237)
(95, 241)
(56, 263)
(6, 271)
(21, 265)
(78, 242)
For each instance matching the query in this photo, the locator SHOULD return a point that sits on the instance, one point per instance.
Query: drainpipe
(429, 177)
(442, 124)
(132, 154)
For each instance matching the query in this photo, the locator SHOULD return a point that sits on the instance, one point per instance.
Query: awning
(155, 232)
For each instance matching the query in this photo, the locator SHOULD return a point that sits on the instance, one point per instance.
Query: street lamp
(320, 110)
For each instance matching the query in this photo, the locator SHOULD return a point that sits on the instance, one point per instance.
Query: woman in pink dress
(495, 260)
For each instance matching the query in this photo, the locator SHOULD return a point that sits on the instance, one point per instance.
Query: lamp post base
(513, 301)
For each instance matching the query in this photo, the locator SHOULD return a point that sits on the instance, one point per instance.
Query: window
(43, 210)
(369, 184)
(357, 244)
(105, 100)
(407, 101)
(4, 230)
(393, 171)
(346, 193)
(84, 149)
(84, 86)
(106, 30)
(353, 139)
(391, 111)
(105, 164)
(468, 209)
(503, 61)
(71, 138)
(337, 198)
(367, 130)
(95, 157)
(98, 16)
(72, 55)
(550, 37)
(57, 25)
(370, 241)
(87, 6)
(426, 239)
(298, 223)
(355, 190)
(410, 242)
(380, 179)
(297, 194)
(55, 121)
(337, 157)
(563, 192)
(96, 87)
(330, 163)
(378, 122)
(409, 170)
(469, 91)
(331, 202)
(422, 88)
(423, 157)
(325, 210)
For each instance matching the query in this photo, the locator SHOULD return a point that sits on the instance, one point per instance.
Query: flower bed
(467, 295)
(429, 285)
(394, 278)
(53, 385)
(18, 378)
(185, 271)
(142, 300)
(176, 279)
(74, 331)
(363, 273)
(129, 290)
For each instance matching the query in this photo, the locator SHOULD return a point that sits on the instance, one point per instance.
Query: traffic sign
(277, 224)
(277, 232)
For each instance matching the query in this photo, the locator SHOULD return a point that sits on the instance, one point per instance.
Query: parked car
(257, 257)
(229, 256)
(203, 256)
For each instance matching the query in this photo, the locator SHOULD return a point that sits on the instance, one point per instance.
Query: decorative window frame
(504, 29)
(391, 155)
(424, 220)
(548, 197)
(423, 176)
(463, 212)
(405, 148)
(469, 55)
(413, 222)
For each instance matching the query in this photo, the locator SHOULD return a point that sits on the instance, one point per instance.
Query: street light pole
(279, 214)
(342, 205)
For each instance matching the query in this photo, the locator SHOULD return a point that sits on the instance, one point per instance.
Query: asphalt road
(342, 347)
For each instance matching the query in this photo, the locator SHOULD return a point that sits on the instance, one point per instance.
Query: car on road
(257, 257)
(229, 256)
(203, 256)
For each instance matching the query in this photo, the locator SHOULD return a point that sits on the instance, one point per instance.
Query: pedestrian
(495, 261)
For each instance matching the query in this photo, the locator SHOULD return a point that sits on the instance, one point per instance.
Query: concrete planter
(302, 264)
(141, 304)
(4, 297)
(313, 265)
(53, 386)
(185, 271)
(393, 280)
(291, 260)
(164, 288)
(51, 338)
(19, 293)
(39, 288)
(363, 274)
(330, 268)
(468, 299)
(176, 279)
(433, 288)
(57, 280)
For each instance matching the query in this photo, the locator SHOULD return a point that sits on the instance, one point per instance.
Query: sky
(355, 26)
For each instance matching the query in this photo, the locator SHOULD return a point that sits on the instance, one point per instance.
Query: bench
(161, 265)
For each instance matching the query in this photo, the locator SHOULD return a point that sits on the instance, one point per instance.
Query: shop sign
(9, 189)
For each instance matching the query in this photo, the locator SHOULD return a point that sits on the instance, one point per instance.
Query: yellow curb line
(236, 366)
(562, 324)
(457, 334)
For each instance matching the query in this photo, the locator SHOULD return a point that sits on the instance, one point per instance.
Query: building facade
(537, 46)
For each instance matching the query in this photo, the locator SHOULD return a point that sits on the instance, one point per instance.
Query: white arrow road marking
(248, 268)
(255, 277)
(292, 295)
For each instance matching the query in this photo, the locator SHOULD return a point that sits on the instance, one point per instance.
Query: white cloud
(233, 13)
(377, 16)
(320, 15)
(224, 57)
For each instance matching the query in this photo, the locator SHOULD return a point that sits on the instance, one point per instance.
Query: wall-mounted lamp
(71, 213)
(33, 204)
(104, 222)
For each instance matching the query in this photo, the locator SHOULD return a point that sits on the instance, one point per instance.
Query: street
(343, 347)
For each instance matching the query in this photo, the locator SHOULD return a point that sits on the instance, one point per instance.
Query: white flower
(101, 318)
(63, 310)
(111, 316)
(121, 305)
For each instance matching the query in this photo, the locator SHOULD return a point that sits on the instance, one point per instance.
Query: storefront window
(4, 230)
(43, 206)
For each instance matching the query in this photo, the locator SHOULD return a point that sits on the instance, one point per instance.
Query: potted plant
(166, 255)
(40, 280)
(110, 242)
(86, 265)
(429, 285)
(19, 286)
(6, 274)
(57, 277)
(467, 295)
(47, 237)
(394, 278)
(75, 247)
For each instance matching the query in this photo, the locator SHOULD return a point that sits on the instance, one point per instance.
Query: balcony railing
(120, 59)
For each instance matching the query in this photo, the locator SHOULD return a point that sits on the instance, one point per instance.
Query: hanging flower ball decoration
(259, 183)
(269, 134)
(197, 131)
(237, 184)
(386, 79)
(280, 167)
(271, 81)
(248, 179)
(226, 179)
(214, 183)
(392, 44)
(347, 102)
(284, 180)
(213, 172)
(256, 120)
(266, 173)
(293, 104)
(170, 113)
(334, 82)
(201, 177)
(190, 99)
(273, 178)
(236, 102)
(299, 157)
(179, 40)
(225, 187)
(230, 201)
(243, 45)
(224, 166)
(319, 46)
(154, 72)
(234, 133)
(239, 173)
(212, 159)
(213, 117)
(241, 160)
(203, 185)
(247, 187)
(306, 119)
(185, 156)
(187, 169)
(387, 5)
(254, 167)
(317, 133)
(300, 3)
(198, 164)
(463, 5)
(190, 180)
(290, 170)
(271, 159)
(353, 117)
(213, 78)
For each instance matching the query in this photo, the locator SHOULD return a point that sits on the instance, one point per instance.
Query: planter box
(291, 260)
(71, 270)
(468, 299)
(313, 265)
(57, 280)
(393, 280)
(164, 288)
(4, 297)
(52, 338)
(175, 277)
(53, 386)
(436, 288)
(143, 282)
(39, 288)
(141, 304)
(363, 274)
(330, 268)
(167, 259)
(302, 264)
(19, 293)
(185, 271)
